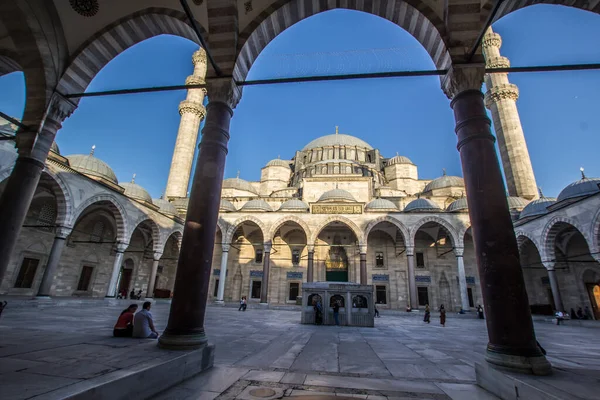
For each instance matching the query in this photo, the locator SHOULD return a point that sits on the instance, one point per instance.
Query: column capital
(188, 106)
(121, 247)
(410, 250)
(459, 251)
(463, 77)
(267, 247)
(62, 232)
(225, 248)
(549, 265)
(60, 108)
(224, 90)
(157, 255)
(362, 248)
(310, 247)
(199, 56)
(506, 91)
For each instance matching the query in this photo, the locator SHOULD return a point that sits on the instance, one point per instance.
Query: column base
(43, 297)
(220, 302)
(532, 365)
(182, 342)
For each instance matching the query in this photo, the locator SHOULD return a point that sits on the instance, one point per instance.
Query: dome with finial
(537, 207)
(294, 205)
(458, 205)
(92, 166)
(337, 139)
(381, 205)
(422, 205)
(337, 195)
(398, 159)
(165, 206)
(581, 188)
(278, 162)
(239, 184)
(135, 191)
(256, 205)
(226, 206)
(516, 203)
(444, 181)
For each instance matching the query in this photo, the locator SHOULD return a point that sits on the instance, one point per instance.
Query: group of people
(427, 317)
(581, 314)
(132, 295)
(137, 325)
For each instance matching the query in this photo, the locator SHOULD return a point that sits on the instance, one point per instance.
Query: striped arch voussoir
(453, 234)
(403, 229)
(157, 242)
(64, 199)
(233, 227)
(510, 6)
(549, 235)
(291, 218)
(522, 238)
(117, 210)
(338, 218)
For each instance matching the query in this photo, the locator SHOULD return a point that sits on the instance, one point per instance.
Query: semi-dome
(278, 163)
(444, 181)
(516, 203)
(165, 206)
(458, 205)
(239, 184)
(398, 159)
(337, 139)
(135, 191)
(537, 207)
(422, 205)
(87, 164)
(337, 195)
(226, 206)
(580, 188)
(381, 205)
(256, 205)
(294, 205)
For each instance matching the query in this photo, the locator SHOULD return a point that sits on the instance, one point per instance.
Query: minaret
(501, 99)
(192, 112)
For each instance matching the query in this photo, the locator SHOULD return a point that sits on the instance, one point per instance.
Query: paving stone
(21, 385)
(371, 384)
(460, 391)
(217, 379)
(293, 378)
(264, 376)
(11, 365)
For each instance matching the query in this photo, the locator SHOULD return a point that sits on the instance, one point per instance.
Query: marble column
(185, 327)
(222, 273)
(33, 148)
(155, 260)
(363, 264)
(462, 278)
(558, 303)
(112, 285)
(58, 245)
(512, 342)
(264, 286)
(311, 264)
(412, 283)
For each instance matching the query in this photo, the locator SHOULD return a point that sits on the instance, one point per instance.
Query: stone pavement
(42, 349)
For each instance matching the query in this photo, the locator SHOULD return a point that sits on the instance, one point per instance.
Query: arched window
(336, 298)
(359, 302)
(313, 299)
(46, 216)
(369, 158)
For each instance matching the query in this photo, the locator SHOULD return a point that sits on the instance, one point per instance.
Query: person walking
(336, 312)
(442, 315)
(480, 311)
(243, 304)
(376, 312)
(427, 317)
(560, 316)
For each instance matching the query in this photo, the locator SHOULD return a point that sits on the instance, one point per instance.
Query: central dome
(337, 139)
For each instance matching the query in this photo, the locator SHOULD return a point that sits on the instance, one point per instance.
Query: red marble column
(185, 328)
(512, 342)
(310, 271)
(363, 268)
(264, 286)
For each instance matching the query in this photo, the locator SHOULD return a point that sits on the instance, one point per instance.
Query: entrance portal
(336, 265)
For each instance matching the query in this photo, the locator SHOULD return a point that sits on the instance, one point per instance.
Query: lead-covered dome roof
(165, 206)
(337, 195)
(580, 188)
(337, 139)
(226, 206)
(256, 205)
(135, 191)
(381, 205)
(458, 205)
(239, 184)
(444, 182)
(87, 164)
(278, 163)
(537, 207)
(422, 205)
(294, 205)
(397, 159)
(516, 203)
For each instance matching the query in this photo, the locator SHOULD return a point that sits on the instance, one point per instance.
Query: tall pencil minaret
(192, 112)
(501, 99)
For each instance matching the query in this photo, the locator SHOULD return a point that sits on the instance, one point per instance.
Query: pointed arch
(249, 218)
(510, 6)
(414, 16)
(117, 209)
(522, 237)
(290, 218)
(338, 218)
(453, 234)
(595, 237)
(549, 236)
(62, 193)
(403, 229)
(157, 243)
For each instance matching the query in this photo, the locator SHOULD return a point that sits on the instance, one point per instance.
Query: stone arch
(223, 226)
(338, 218)
(462, 231)
(116, 208)
(62, 193)
(177, 234)
(416, 17)
(8, 62)
(453, 235)
(403, 229)
(510, 6)
(249, 218)
(595, 237)
(522, 237)
(117, 37)
(549, 236)
(289, 218)
(157, 243)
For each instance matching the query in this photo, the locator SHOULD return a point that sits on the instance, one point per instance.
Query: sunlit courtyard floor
(43, 349)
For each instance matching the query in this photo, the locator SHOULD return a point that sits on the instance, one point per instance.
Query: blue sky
(411, 116)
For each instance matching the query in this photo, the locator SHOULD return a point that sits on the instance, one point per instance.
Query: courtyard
(47, 348)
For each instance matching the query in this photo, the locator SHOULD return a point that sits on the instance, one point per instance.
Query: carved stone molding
(199, 56)
(60, 108)
(463, 77)
(121, 247)
(459, 251)
(87, 8)
(497, 62)
(225, 248)
(187, 106)
(491, 40)
(62, 232)
(501, 92)
(224, 90)
(157, 255)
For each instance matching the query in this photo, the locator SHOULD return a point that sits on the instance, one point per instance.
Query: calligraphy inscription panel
(336, 209)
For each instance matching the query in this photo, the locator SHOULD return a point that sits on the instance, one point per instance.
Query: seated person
(124, 325)
(143, 325)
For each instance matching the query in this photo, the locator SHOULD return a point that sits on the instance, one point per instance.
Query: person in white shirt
(143, 325)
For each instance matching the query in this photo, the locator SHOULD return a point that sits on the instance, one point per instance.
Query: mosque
(336, 210)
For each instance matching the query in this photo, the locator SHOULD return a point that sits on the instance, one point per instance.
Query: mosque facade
(337, 210)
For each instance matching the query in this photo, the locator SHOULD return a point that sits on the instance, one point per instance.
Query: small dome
(458, 205)
(422, 205)
(294, 205)
(337, 194)
(165, 206)
(444, 182)
(239, 184)
(580, 188)
(278, 163)
(54, 148)
(337, 140)
(516, 203)
(92, 166)
(381, 205)
(397, 159)
(135, 191)
(256, 205)
(226, 206)
(537, 207)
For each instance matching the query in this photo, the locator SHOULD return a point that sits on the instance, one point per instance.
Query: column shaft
(185, 328)
(412, 283)
(512, 343)
(264, 286)
(363, 268)
(558, 303)
(462, 282)
(112, 285)
(53, 259)
(222, 276)
(310, 270)
(152, 279)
